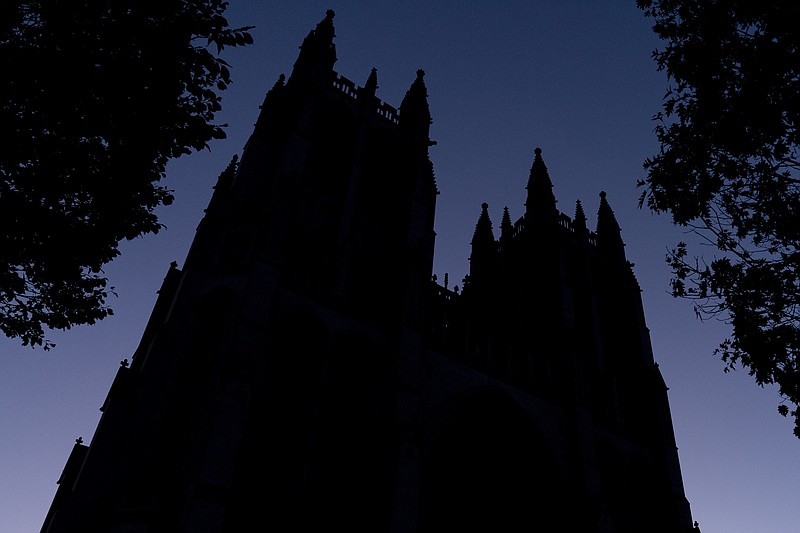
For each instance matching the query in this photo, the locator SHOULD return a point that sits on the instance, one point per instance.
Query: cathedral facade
(303, 371)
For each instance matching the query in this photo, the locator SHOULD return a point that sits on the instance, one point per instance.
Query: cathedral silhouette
(304, 371)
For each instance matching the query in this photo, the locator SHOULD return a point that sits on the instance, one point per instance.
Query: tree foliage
(95, 97)
(728, 171)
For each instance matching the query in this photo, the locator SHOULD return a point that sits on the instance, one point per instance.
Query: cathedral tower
(303, 372)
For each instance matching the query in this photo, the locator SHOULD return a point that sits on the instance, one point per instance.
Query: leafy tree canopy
(728, 171)
(96, 96)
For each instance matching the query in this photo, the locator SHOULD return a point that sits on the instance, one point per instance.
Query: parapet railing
(564, 220)
(388, 112)
(350, 89)
(345, 85)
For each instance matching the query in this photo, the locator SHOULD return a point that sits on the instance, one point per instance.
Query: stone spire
(506, 228)
(483, 229)
(609, 238)
(579, 222)
(484, 248)
(317, 53)
(541, 202)
(366, 94)
(415, 115)
(372, 82)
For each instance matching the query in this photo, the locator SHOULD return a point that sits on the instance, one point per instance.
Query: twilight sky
(572, 77)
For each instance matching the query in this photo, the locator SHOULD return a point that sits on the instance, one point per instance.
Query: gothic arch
(485, 467)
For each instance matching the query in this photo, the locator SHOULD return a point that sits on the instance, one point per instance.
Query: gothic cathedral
(303, 371)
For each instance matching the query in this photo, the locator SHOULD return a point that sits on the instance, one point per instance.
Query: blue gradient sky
(573, 77)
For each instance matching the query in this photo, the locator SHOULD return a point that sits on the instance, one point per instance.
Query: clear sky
(573, 77)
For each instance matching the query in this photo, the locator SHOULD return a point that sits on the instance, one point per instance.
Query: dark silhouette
(96, 97)
(303, 372)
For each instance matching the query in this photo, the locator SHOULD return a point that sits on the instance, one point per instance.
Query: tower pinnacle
(541, 202)
(372, 81)
(317, 53)
(506, 228)
(608, 232)
(579, 222)
(483, 229)
(484, 249)
(414, 110)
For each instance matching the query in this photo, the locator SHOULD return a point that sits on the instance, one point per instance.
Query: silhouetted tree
(95, 97)
(728, 170)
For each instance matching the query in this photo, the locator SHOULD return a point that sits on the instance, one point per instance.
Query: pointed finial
(605, 215)
(324, 28)
(417, 92)
(506, 228)
(317, 53)
(483, 229)
(482, 260)
(367, 93)
(579, 214)
(414, 111)
(606, 221)
(608, 232)
(372, 80)
(540, 201)
(579, 222)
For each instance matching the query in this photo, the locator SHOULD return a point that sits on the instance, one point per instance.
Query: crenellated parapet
(349, 89)
(563, 220)
(314, 67)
